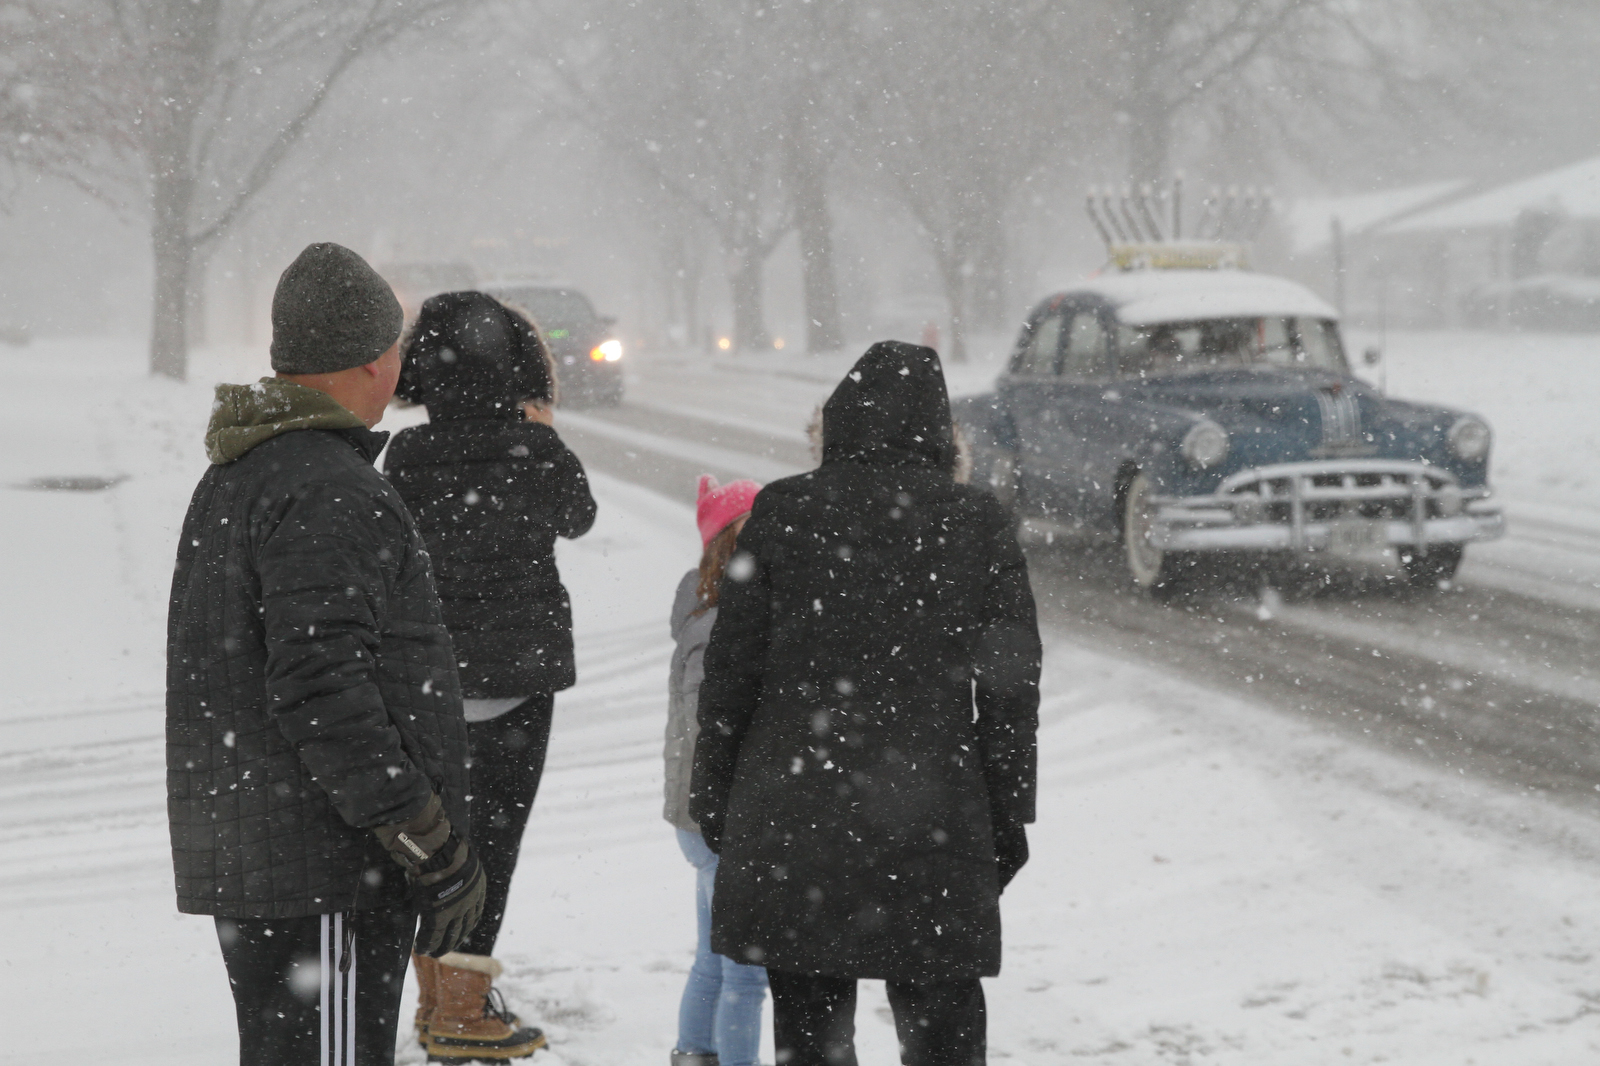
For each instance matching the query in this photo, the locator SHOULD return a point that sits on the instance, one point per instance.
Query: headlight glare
(606, 351)
(1205, 445)
(1469, 438)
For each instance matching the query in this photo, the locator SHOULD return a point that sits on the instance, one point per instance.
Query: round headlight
(1469, 438)
(1205, 445)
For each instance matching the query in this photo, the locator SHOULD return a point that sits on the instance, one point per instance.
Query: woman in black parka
(866, 757)
(491, 486)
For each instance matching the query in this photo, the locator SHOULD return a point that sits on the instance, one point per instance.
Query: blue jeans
(721, 1009)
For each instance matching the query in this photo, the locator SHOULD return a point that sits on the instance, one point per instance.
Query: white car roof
(1146, 297)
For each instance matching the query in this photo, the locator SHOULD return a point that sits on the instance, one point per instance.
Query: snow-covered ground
(1210, 882)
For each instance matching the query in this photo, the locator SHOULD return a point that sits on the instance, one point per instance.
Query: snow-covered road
(1212, 880)
(1497, 676)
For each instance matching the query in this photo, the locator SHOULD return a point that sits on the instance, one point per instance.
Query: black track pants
(318, 991)
(941, 1023)
(507, 762)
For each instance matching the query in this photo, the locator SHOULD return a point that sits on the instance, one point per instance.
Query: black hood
(892, 409)
(470, 356)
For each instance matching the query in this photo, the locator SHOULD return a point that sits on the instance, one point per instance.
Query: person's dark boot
(692, 1058)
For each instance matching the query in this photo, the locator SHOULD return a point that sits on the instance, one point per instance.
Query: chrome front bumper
(1332, 505)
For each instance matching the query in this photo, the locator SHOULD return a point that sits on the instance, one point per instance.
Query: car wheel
(1430, 568)
(1151, 568)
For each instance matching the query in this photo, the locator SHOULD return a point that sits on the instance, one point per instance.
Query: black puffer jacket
(491, 494)
(311, 689)
(853, 779)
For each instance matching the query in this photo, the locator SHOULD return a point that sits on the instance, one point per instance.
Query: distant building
(1333, 246)
(1524, 254)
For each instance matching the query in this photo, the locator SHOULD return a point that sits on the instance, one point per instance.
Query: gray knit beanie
(331, 312)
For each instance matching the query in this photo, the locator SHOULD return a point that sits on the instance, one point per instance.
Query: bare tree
(56, 99)
(1175, 53)
(815, 67)
(1268, 80)
(686, 94)
(962, 104)
(210, 96)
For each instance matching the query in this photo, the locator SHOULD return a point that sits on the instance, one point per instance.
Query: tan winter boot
(427, 992)
(470, 1020)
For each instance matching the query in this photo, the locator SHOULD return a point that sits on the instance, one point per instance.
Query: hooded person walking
(866, 757)
(492, 487)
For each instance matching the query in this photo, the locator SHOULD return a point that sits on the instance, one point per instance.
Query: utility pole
(1336, 243)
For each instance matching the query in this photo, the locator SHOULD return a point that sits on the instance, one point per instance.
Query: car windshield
(552, 309)
(1168, 348)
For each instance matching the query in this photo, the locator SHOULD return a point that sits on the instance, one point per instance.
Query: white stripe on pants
(338, 1002)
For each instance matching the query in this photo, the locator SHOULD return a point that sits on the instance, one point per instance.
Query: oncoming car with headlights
(588, 358)
(1191, 412)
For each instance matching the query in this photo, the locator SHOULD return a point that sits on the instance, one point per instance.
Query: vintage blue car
(1190, 412)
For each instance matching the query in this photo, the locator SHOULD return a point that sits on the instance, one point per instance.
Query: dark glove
(1010, 849)
(446, 880)
(448, 895)
(414, 842)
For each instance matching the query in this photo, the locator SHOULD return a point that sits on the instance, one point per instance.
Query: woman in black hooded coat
(866, 759)
(491, 486)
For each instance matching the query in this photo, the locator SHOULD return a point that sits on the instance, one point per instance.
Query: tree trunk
(954, 277)
(987, 285)
(694, 272)
(1145, 100)
(671, 264)
(749, 316)
(691, 272)
(195, 312)
(809, 181)
(182, 65)
(171, 190)
(1149, 140)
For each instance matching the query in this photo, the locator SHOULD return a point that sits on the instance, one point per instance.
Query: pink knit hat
(719, 506)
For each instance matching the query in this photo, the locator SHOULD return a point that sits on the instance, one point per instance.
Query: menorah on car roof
(1142, 227)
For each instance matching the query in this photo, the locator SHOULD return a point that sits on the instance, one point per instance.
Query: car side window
(1039, 356)
(1087, 347)
(1277, 346)
(1318, 345)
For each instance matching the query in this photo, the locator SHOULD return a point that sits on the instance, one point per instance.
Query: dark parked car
(1189, 412)
(588, 358)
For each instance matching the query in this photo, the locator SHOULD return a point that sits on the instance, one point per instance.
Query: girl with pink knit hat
(719, 1018)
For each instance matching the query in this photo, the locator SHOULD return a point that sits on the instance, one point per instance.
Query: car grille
(1341, 418)
(1326, 492)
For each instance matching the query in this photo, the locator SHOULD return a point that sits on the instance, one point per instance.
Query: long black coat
(311, 690)
(491, 494)
(870, 700)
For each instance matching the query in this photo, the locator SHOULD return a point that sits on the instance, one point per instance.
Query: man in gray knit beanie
(331, 312)
(316, 749)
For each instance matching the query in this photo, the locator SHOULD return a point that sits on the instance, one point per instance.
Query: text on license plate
(1357, 536)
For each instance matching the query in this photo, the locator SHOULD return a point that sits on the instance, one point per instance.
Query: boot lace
(494, 1006)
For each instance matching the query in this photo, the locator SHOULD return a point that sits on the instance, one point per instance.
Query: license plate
(1357, 536)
